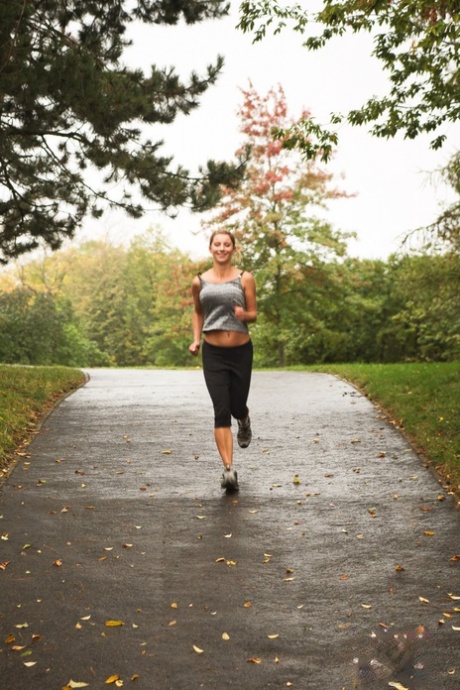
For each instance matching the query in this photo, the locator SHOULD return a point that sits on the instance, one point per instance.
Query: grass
(424, 402)
(26, 394)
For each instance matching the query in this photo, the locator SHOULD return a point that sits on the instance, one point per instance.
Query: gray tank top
(218, 301)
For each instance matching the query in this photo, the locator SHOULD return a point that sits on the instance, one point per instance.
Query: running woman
(224, 299)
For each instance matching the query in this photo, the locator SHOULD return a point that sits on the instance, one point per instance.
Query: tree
(273, 216)
(418, 44)
(70, 107)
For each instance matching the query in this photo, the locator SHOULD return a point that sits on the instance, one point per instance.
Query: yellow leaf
(397, 686)
(429, 533)
(220, 560)
(166, 452)
(366, 606)
(424, 601)
(112, 679)
(254, 660)
(113, 624)
(76, 684)
(272, 637)
(136, 676)
(225, 636)
(399, 568)
(247, 604)
(296, 479)
(197, 649)
(454, 597)
(29, 663)
(174, 605)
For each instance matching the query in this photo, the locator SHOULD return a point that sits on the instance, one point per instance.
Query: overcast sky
(396, 190)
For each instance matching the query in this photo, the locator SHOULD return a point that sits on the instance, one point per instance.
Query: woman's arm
(249, 315)
(197, 317)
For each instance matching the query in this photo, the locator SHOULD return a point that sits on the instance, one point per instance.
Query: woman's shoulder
(246, 276)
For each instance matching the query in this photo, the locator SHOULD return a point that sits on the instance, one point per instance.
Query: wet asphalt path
(118, 515)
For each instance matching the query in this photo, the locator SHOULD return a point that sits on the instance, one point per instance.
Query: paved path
(280, 586)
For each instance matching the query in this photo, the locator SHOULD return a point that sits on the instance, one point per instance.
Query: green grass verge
(423, 400)
(26, 393)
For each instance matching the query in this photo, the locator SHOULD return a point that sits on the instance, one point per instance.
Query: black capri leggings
(227, 373)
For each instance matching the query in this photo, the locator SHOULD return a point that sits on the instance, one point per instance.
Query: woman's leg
(241, 381)
(217, 378)
(224, 442)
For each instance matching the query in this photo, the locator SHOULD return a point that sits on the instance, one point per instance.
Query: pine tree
(68, 105)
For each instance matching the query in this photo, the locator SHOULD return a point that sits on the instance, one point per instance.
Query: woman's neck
(222, 273)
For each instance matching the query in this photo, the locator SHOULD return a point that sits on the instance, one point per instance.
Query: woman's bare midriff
(226, 338)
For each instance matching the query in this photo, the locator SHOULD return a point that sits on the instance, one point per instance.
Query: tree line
(103, 305)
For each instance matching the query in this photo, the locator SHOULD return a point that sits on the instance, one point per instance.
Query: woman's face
(221, 248)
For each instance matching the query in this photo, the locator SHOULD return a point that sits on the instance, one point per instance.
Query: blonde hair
(223, 232)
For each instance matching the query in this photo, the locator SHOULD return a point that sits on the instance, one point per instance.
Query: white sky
(396, 190)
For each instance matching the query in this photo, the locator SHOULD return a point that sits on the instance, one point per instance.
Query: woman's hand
(194, 348)
(240, 314)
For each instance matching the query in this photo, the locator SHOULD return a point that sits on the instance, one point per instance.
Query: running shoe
(230, 479)
(244, 434)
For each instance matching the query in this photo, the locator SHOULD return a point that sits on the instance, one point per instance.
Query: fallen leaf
(397, 686)
(296, 479)
(366, 606)
(18, 647)
(4, 565)
(113, 623)
(247, 604)
(76, 684)
(201, 517)
(372, 512)
(253, 512)
(456, 628)
(112, 679)
(21, 625)
(424, 601)
(254, 660)
(455, 558)
(29, 663)
(429, 533)
(136, 676)
(197, 649)
(11, 638)
(174, 605)
(127, 546)
(399, 568)
(454, 597)
(272, 637)
(57, 563)
(166, 452)
(225, 636)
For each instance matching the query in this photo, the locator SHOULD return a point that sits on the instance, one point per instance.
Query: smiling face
(222, 247)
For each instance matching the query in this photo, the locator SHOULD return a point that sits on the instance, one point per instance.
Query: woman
(224, 299)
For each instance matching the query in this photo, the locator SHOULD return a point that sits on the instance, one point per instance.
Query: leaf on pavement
(225, 636)
(197, 649)
(112, 679)
(254, 660)
(113, 623)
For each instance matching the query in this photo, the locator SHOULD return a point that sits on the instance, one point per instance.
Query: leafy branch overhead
(72, 117)
(417, 43)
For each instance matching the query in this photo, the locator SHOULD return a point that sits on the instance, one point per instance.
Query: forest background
(99, 304)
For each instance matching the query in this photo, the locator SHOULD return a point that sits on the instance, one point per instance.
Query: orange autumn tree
(274, 215)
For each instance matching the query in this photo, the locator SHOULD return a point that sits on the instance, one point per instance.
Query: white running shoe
(230, 479)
